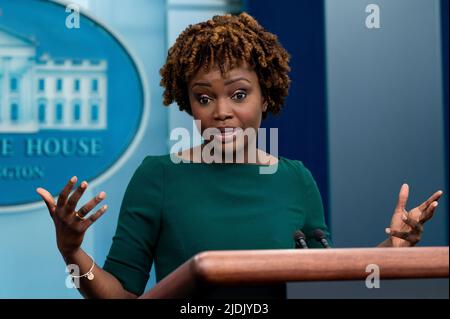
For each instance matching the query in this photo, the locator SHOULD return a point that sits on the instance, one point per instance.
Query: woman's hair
(225, 41)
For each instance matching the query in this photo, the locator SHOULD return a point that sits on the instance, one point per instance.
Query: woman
(228, 73)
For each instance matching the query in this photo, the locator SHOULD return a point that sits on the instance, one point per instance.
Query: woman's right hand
(70, 224)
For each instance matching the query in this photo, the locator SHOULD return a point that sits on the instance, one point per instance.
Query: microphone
(299, 239)
(321, 238)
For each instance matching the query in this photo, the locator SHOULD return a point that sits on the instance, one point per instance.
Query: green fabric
(170, 212)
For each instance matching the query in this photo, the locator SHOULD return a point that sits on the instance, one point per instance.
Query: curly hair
(225, 41)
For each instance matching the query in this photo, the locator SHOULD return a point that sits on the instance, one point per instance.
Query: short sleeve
(132, 251)
(315, 217)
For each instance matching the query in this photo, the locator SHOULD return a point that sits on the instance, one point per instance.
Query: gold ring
(82, 218)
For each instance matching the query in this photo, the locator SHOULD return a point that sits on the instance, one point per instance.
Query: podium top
(278, 266)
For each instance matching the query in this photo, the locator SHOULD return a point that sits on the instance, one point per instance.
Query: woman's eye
(203, 100)
(240, 96)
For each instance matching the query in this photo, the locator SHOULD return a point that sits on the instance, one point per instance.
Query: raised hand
(70, 224)
(406, 228)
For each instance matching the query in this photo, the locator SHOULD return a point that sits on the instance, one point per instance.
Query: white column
(5, 91)
(85, 102)
(102, 113)
(2, 90)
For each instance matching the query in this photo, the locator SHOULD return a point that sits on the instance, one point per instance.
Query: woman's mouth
(227, 134)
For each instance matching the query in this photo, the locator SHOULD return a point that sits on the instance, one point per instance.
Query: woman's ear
(264, 108)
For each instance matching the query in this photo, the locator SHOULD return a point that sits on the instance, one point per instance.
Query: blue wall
(366, 108)
(302, 123)
(29, 259)
(444, 38)
(385, 111)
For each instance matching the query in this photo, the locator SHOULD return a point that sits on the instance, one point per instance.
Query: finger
(395, 233)
(73, 200)
(89, 221)
(416, 226)
(428, 213)
(428, 202)
(403, 197)
(48, 199)
(412, 238)
(83, 211)
(62, 198)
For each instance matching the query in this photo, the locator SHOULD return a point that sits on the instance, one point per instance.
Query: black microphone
(299, 239)
(321, 238)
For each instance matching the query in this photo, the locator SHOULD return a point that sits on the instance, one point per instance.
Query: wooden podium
(264, 273)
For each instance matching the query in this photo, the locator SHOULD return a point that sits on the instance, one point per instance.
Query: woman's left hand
(407, 227)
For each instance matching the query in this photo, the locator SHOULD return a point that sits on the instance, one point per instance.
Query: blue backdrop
(302, 123)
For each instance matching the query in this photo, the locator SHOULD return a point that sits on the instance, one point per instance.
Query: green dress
(170, 212)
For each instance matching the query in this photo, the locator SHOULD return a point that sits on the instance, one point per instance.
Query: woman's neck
(198, 154)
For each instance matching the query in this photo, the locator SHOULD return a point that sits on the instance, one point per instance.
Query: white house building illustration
(43, 93)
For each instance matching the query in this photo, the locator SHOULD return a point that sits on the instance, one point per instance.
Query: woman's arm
(385, 243)
(104, 285)
(70, 226)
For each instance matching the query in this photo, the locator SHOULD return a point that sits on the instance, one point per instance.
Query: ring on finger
(79, 216)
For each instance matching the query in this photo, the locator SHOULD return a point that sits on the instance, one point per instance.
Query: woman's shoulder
(153, 159)
(298, 169)
(294, 165)
(152, 164)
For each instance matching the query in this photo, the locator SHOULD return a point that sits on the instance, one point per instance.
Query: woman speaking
(228, 73)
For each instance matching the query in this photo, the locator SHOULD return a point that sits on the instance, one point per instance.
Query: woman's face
(233, 102)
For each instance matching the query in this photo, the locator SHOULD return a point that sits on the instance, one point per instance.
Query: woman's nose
(223, 110)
